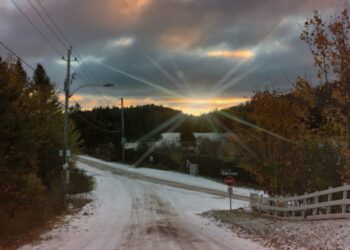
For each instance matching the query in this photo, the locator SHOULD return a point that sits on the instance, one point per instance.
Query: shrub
(80, 182)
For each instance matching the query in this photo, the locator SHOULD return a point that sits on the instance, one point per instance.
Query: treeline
(100, 127)
(285, 142)
(31, 131)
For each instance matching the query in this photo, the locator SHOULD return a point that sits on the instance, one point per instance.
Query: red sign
(229, 181)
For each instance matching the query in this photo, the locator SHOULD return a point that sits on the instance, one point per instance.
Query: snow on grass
(196, 181)
(191, 204)
(282, 234)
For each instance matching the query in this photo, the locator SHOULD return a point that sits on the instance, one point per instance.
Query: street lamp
(69, 94)
(66, 152)
(106, 85)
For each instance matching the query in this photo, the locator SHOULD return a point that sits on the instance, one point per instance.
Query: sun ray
(239, 120)
(229, 74)
(211, 124)
(178, 73)
(236, 138)
(154, 146)
(237, 79)
(161, 69)
(237, 66)
(165, 90)
(161, 127)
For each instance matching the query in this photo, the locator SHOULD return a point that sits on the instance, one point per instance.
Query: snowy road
(128, 213)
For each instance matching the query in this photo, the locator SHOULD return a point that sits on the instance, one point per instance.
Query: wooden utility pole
(65, 154)
(123, 139)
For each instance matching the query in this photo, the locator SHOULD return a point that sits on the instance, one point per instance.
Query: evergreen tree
(48, 117)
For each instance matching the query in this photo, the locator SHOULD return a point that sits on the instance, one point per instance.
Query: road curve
(130, 213)
(139, 176)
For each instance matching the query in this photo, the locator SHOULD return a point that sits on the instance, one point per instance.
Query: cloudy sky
(193, 55)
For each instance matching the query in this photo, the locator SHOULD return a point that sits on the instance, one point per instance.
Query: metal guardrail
(333, 203)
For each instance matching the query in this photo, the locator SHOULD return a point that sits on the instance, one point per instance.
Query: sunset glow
(193, 106)
(241, 54)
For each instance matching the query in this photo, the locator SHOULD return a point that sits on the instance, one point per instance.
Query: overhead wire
(47, 25)
(94, 125)
(26, 63)
(13, 53)
(36, 28)
(54, 47)
(82, 66)
(54, 23)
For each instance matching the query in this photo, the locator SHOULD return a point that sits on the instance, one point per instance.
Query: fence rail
(333, 203)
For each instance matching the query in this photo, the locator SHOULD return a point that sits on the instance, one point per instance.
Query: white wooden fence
(333, 203)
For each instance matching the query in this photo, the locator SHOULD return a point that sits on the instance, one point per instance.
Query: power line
(25, 62)
(13, 53)
(94, 125)
(80, 61)
(84, 67)
(36, 28)
(81, 64)
(47, 25)
(20, 76)
(54, 23)
(55, 85)
(88, 80)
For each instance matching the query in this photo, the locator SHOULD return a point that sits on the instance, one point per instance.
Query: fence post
(316, 200)
(275, 202)
(304, 204)
(345, 197)
(329, 199)
(285, 206)
(260, 203)
(294, 204)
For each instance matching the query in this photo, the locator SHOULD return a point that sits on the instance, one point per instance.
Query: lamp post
(106, 85)
(66, 152)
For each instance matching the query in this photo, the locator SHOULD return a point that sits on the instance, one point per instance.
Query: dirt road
(131, 213)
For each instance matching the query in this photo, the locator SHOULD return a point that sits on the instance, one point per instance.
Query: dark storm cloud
(176, 34)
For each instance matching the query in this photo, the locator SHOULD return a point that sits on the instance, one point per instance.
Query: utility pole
(123, 139)
(65, 153)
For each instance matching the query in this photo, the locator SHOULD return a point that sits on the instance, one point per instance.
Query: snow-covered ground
(177, 177)
(287, 235)
(173, 138)
(130, 213)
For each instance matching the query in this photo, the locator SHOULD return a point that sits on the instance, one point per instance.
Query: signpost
(227, 172)
(230, 181)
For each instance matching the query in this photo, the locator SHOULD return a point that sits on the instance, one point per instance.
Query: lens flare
(161, 127)
(165, 90)
(236, 138)
(239, 120)
(151, 150)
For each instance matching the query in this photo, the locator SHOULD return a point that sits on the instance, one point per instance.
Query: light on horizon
(240, 54)
(191, 105)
